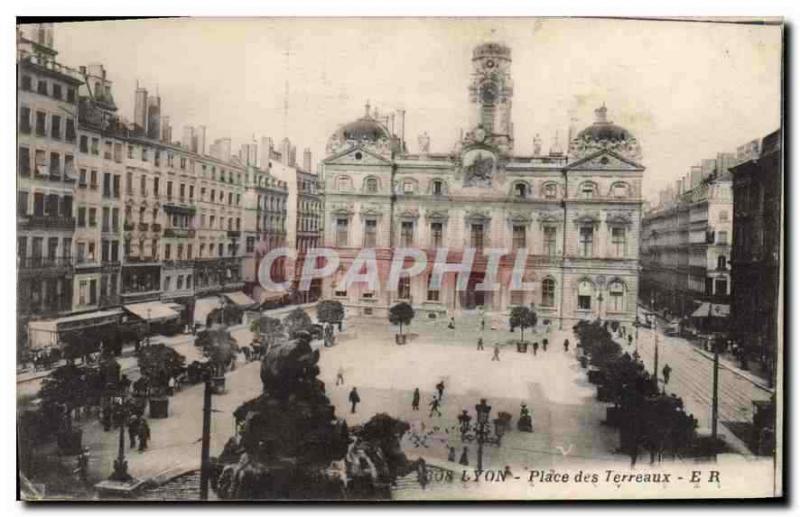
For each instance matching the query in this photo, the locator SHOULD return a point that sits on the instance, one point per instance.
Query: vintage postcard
(427, 259)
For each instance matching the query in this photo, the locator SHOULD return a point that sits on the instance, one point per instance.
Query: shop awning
(717, 310)
(152, 311)
(263, 296)
(240, 299)
(203, 307)
(175, 307)
(44, 333)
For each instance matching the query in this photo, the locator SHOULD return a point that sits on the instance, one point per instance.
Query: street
(691, 379)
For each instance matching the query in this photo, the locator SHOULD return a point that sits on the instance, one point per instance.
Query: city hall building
(575, 213)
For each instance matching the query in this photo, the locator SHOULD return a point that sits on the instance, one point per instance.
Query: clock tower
(490, 93)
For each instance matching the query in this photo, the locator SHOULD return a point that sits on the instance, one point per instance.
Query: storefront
(159, 317)
(48, 333)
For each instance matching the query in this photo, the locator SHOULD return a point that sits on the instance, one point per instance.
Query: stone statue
(424, 143)
(479, 172)
(537, 145)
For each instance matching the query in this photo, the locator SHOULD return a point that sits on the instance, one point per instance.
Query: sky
(686, 90)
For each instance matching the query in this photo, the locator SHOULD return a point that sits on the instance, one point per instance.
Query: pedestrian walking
(415, 400)
(496, 354)
(480, 343)
(82, 466)
(434, 405)
(544, 345)
(451, 454)
(483, 324)
(630, 340)
(354, 399)
(440, 389)
(340, 376)
(144, 434)
(535, 347)
(566, 345)
(452, 324)
(666, 371)
(464, 460)
(133, 429)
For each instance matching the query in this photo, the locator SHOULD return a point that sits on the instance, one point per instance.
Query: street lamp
(148, 327)
(120, 472)
(482, 429)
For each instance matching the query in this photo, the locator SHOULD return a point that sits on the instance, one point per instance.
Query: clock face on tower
(489, 93)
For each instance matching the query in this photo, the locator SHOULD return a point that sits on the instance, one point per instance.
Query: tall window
(476, 236)
(342, 183)
(25, 119)
(372, 185)
(436, 235)
(341, 232)
(520, 190)
(404, 288)
(518, 236)
(548, 292)
(721, 286)
(550, 191)
(618, 242)
(722, 262)
(586, 241)
(586, 191)
(722, 237)
(433, 294)
(585, 295)
(406, 234)
(437, 187)
(41, 118)
(616, 292)
(370, 233)
(549, 240)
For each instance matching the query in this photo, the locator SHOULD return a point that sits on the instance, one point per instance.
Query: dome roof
(602, 129)
(365, 128)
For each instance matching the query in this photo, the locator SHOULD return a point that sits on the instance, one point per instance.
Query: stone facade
(577, 216)
(757, 300)
(686, 243)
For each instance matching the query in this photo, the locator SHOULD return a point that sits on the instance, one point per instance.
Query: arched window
(585, 289)
(371, 185)
(587, 190)
(520, 190)
(548, 292)
(620, 190)
(550, 190)
(343, 183)
(616, 291)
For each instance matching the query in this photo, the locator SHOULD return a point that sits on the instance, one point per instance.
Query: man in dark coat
(440, 388)
(144, 434)
(133, 429)
(415, 400)
(354, 399)
(566, 345)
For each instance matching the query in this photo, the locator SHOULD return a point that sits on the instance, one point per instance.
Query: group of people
(138, 428)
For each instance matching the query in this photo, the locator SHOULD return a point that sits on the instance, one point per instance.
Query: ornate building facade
(575, 215)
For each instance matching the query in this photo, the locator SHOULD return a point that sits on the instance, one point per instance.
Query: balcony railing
(179, 232)
(234, 233)
(49, 222)
(43, 262)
